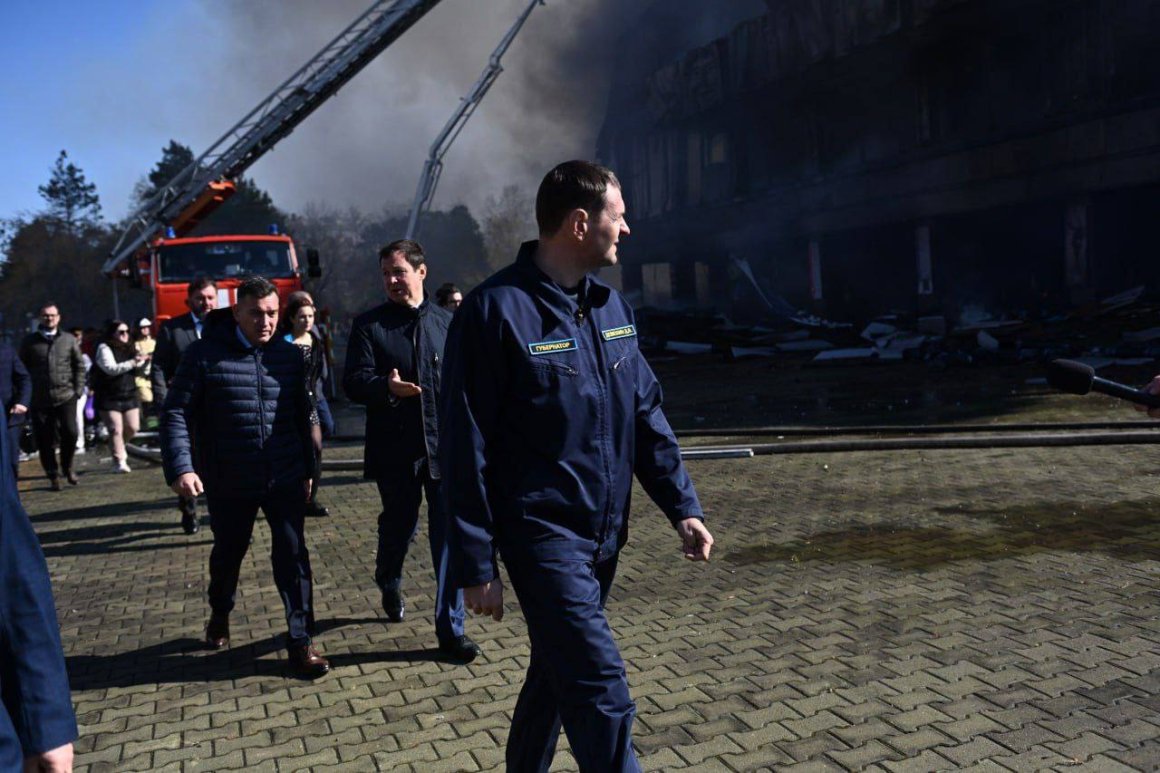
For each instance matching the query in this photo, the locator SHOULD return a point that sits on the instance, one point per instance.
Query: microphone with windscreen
(1079, 379)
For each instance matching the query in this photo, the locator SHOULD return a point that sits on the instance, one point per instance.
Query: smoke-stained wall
(1009, 138)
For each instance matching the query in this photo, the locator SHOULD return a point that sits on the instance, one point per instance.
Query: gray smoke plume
(366, 146)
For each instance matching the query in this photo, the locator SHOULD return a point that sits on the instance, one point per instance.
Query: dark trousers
(576, 676)
(232, 520)
(15, 432)
(51, 425)
(401, 492)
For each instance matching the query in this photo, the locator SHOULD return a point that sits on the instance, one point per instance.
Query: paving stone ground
(905, 611)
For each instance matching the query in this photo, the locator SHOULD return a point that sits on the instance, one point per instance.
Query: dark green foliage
(73, 204)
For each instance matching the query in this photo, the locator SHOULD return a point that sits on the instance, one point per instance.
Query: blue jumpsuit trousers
(576, 676)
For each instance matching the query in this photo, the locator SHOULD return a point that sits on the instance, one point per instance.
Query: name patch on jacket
(613, 333)
(553, 347)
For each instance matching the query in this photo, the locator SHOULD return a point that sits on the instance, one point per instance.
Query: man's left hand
(696, 541)
(19, 409)
(58, 760)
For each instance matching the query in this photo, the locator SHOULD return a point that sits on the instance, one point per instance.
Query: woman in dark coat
(297, 323)
(115, 385)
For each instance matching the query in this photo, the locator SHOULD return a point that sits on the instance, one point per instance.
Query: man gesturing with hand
(392, 367)
(548, 411)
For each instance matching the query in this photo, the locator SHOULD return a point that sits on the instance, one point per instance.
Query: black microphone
(1079, 379)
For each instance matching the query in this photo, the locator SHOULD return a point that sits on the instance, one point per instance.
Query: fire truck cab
(171, 263)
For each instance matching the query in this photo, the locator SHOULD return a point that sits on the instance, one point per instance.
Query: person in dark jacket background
(174, 337)
(392, 367)
(53, 359)
(37, 723)
(15, 396)
(238, 425)
(548, 410)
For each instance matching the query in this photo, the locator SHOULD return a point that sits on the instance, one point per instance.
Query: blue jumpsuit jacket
(548, 409)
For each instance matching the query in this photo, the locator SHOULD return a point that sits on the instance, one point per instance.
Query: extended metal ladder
(200, 185)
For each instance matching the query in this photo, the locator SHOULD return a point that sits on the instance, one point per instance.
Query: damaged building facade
(864, 156)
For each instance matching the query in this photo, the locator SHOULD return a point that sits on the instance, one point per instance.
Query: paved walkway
(917, 611)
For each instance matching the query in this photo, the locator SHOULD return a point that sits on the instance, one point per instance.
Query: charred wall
(1023, 135)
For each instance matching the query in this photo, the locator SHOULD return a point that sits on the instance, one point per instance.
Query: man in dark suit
(37, 724)
(392, 367)
(173, 339)
(15, 396)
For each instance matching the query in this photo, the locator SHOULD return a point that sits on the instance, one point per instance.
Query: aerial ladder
(210, 179)
(433, 166)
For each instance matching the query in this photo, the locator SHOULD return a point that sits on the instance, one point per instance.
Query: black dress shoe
(54, 484)
(461, 649)
(315, 510)
(71, 477)
(189, 523)
(217, 631)
(188, 515)
(306, 662)
(394, 605)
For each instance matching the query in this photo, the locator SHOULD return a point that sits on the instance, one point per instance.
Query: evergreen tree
(72, 200)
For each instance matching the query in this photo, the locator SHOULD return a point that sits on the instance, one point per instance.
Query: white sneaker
(121, 466)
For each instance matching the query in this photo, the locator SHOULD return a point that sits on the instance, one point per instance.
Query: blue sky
(68, 75)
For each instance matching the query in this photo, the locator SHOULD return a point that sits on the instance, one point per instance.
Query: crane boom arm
(183, 201)
(433, 166)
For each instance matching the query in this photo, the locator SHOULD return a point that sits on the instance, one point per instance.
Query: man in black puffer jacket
(237, 422)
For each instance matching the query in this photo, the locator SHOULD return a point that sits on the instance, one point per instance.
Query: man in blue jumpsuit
(37, 724)
(548, 410)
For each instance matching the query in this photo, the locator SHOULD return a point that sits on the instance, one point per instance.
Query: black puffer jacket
(237, 416)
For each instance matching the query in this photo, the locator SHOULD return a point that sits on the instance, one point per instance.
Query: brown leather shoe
(54, 484)
(306, 662)
(217, 631)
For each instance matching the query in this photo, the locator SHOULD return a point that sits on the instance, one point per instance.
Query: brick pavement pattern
(907, 611)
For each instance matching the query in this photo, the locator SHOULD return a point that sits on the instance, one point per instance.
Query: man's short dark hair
(256, 287)
(48, 305)
(199, 283)
(571, 185)
(411, 249)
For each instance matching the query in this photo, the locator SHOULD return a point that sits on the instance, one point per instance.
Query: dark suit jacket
(15, 384)
(36, 712)
(173, 339)
(399, 432)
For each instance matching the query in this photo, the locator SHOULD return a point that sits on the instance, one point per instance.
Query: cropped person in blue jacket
(548, 410)
(238, 424)
(37, 724)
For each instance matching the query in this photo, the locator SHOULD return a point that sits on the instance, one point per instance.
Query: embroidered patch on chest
(613, 333)
(553, 347)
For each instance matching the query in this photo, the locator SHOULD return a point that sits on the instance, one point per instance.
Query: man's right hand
(58, 760)
(400, 388)
(187, 485)
(486, 599)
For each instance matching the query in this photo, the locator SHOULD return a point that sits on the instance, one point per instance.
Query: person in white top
(115, 383)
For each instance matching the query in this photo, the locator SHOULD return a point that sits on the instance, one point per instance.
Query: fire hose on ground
(917, 437)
